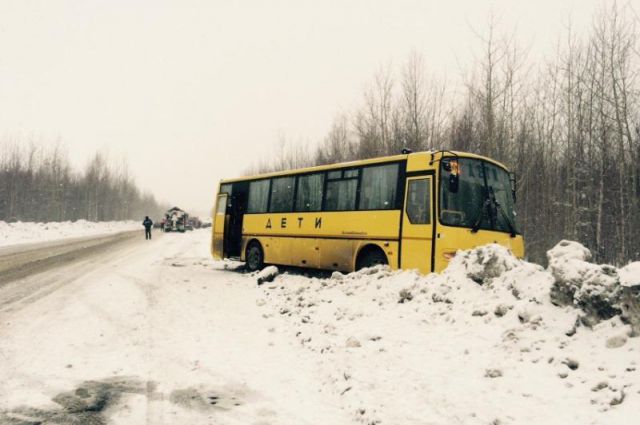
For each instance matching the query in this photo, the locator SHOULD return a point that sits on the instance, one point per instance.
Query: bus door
(237, 207)
(219, 226)
(417, 224)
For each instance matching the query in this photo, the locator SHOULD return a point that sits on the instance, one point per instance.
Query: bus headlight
(449, 255)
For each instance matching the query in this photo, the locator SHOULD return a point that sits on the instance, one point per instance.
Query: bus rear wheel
(254, 257)
(371, 256)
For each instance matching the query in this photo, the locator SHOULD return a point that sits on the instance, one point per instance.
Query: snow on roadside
(483, 342)
(630, 274)
(31, 232)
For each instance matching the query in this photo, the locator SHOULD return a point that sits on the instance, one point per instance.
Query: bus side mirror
(454, 177)
(454, 180)
(513, 181)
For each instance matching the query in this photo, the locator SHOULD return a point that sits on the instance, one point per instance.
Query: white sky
(194, 91)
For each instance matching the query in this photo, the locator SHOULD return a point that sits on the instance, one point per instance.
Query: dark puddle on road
(192, 398)
(87, 404)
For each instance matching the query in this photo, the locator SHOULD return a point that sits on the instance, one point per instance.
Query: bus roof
(377, 160)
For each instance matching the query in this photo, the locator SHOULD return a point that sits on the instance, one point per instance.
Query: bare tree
(40, 185)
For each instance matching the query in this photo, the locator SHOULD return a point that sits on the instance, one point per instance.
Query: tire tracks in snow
(30, 274)
(24, 261)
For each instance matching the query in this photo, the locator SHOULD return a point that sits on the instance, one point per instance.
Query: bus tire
(370, 256)
(254, 256)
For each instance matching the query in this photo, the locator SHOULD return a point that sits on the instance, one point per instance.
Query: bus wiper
(486, 204)
(492, 198)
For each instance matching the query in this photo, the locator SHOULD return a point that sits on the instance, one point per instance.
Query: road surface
(30, 271)
(139, 332)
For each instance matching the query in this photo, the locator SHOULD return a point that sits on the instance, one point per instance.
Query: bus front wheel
(371, 256)
(254, 257)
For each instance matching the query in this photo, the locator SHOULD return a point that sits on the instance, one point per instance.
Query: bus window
(282, 194)
(418, 202)
(258, 196)
(378, 188)
(348, 174)
(309, 196)
(226, 188)
(341, 195)
(222, 205)
(472, 206)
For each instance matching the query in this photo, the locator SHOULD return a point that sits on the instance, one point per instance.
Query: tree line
(38, 184)
(568, 126)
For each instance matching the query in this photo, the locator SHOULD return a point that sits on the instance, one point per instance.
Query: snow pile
(484, 263)
(30, 232)
(600, 291)
(267, 274)
(486, 341)
(630, 274)
(630, 297)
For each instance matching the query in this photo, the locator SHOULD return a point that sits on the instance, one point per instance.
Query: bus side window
(378, 188)
(341, 195)
(258, 196)
(341, 190)
(418, 202)
(282, 194)
(222, 207)
(309, 197)
(228, 189)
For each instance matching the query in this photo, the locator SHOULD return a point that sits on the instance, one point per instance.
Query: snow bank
(267, 274)
(30, 232)
(601, 291)
(630, 296)
(485, 341)
(630, 274)
(484, 263)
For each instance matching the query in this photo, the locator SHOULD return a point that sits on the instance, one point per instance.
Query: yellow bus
(409, 211)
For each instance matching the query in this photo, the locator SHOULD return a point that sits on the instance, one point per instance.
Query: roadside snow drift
(30, 232)
(491, 340)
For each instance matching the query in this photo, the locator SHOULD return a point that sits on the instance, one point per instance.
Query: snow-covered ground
(162, 334)
(480, 343)
(30, 232)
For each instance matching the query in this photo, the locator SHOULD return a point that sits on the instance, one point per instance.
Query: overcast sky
(194, 91)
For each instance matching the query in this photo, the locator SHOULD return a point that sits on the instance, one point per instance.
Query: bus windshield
(479, 197)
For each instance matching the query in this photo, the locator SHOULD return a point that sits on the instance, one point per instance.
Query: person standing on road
(147, 223)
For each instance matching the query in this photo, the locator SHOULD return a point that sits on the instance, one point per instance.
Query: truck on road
(175, 220)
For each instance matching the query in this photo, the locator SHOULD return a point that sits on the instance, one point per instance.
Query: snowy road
(153, 333)
(23, 261)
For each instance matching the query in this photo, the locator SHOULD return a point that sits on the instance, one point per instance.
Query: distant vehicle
(175, 220)
(410, 211)
(193, 223)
